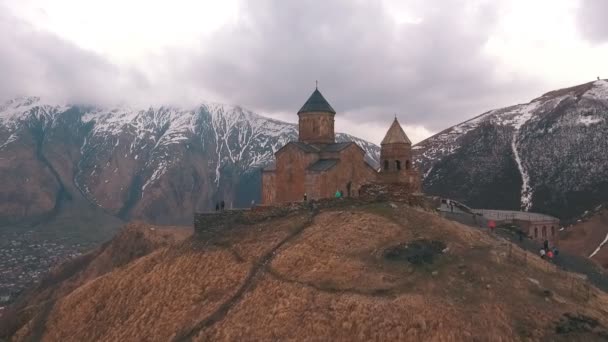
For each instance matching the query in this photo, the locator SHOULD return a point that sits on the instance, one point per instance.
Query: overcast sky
(431, 65)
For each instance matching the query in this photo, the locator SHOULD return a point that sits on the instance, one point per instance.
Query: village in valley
(25, 259)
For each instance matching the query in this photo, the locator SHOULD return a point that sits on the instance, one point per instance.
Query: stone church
(317, 166)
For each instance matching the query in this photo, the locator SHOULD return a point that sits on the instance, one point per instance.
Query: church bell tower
(316, 120)
(396, 152)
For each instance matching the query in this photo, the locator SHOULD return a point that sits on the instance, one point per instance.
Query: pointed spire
(395, 134)
(316, 103)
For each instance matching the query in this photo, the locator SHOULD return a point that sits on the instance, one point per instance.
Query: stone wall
(290, 178)
(539, 230)
(316, 128)
(371, 193)
(410, 177)
(268, 186)
(392, 153)
(214, 221)
(350, 169)
(397, 191)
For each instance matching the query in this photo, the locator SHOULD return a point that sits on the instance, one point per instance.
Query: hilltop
(363, 271)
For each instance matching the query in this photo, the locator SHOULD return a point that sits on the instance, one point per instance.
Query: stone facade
(316, 128)
(396, 159)
(540, 230)
(317, 167)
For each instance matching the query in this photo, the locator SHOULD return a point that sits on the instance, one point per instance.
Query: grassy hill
(379, 271)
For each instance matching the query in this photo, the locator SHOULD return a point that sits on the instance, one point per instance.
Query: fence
(576, 285)
(505, 215)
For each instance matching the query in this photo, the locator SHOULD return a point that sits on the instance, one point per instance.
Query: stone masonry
(317, 167)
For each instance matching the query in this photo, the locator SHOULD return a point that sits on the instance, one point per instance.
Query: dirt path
(248, 284)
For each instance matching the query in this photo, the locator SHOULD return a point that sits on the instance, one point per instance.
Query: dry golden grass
(133, 242)
(327, 279)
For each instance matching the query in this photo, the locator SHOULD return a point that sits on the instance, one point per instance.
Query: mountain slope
(588, 236)
(332, 275)
(157, 164)
(547, 155)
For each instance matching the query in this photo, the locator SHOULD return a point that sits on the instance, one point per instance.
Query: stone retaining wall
(371, 193)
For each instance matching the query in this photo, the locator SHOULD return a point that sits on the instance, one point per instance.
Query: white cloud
(433, 63)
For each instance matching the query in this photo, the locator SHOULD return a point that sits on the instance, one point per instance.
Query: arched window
(386, 164)
(552, 231)
(407, 164)
(398, 164)
(535, 232)
(544, 232)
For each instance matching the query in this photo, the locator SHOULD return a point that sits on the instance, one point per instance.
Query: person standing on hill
(305, 197)
(520, 235)
(222, 205)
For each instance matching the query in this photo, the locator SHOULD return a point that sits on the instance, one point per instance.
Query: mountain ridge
(126, 159)
(521, 147)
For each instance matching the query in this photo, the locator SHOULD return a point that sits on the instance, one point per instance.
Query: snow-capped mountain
(549, 155)
(157, 164)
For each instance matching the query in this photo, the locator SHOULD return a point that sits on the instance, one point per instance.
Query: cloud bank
(429, 67)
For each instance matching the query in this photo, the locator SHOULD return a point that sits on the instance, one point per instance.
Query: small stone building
(317, 166)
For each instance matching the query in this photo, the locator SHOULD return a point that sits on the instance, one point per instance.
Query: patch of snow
(10, 139)
(599, 90)
(589, 120)
(427, 172)
(599, 247)
(523, 114)
(526, 191)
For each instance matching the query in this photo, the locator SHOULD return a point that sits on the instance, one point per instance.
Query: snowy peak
(156, 163)
(539, 156)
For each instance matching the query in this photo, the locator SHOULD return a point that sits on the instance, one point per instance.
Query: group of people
(548, 252)
(220, 206)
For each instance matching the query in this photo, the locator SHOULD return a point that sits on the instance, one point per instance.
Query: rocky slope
(157, 164)
(548, 155)
(365, 272)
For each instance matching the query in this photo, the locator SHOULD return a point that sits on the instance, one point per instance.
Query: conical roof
(395, 135)
(316, 103)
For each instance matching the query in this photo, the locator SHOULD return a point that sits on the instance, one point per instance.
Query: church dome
(316, 103)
